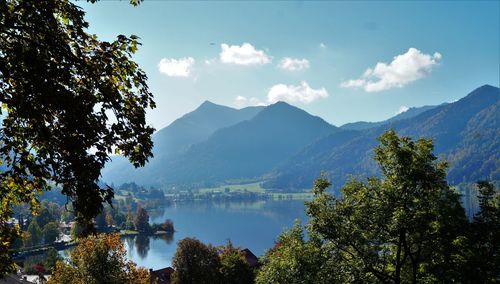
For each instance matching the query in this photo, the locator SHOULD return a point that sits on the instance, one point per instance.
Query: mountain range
(362, 125)
(286, 148)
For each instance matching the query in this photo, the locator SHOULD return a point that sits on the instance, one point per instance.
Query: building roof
(252, 260)
(161, 276)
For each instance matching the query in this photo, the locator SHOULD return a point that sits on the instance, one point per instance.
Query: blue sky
(343, 61)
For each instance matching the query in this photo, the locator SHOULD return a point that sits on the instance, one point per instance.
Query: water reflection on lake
(254, 225)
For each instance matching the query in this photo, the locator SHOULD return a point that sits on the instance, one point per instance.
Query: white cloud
(210, 61)
(293, 64)
(245, 54)
(176, 67)
(302, 93)
(356, 83)
(242, 101)
(403, 69)
(322, 45)
(402, 109)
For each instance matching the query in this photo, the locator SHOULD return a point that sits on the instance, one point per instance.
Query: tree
(296, 260)
(482, 258)
(67, 101)
(51, 258)
(100, 220)
(51, 232)
(99, 259)
(129, 222)
(110, 221)
(401, 228)
(67, 214)
(77, 230)
(195, 263)
(35, 234)
(141, 220)
(54, 210)
(234, 266)
(44, 216)
(119, 217)
(168, 226)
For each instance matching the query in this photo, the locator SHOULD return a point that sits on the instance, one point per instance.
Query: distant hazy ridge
(287, 148)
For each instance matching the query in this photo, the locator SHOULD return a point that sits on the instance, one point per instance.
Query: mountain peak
(283, 112)
(485, 93)
(485, 89)
(208, 105)
(281, 108)
(282, 105)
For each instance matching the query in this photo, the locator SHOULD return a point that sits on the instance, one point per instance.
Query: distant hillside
(176, 138)
(287, 148)
(477, 155)
(197, 126)
(466, 132)
(362, 125)
(246, 150)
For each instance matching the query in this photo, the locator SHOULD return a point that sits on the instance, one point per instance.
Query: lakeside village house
(163, 276)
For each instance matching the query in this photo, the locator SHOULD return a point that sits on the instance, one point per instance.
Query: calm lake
(253, 225)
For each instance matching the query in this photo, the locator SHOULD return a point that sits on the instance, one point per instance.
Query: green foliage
(67, 214)
(99, 259)
(48, 261)
(44, 216)
(129, 222)
(100, 220)
(51, 232)
(234, 266)
(77, 230)
(166, 226)
(34, 234)
(195, 263)
(296, 260)
(119, 217)
(480, 253)
(59, 86)
(51, 258)
(405, 227)
(31, 264)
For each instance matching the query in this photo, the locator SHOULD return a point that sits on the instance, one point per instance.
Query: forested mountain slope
(466, 132)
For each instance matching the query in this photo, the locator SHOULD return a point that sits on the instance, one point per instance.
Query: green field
(257, 188)
(251, 187)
